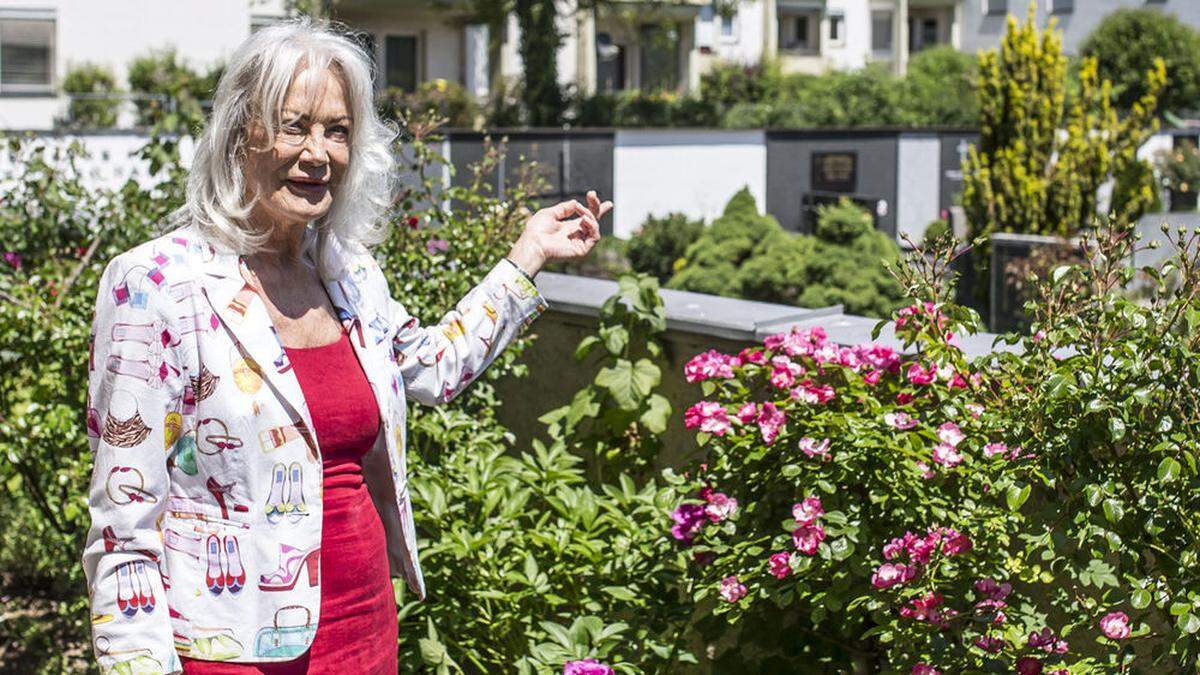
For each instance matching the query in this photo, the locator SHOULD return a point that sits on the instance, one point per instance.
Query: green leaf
(1016, 496)
(620, 593)
(1116, 428)
(1114, 510)
(585, 347)
(656, 415)
(1168, 469)
(1140, 599)
(1188, 623)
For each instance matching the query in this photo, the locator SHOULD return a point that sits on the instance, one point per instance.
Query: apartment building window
(728, 33)
(837, 29)
(1061, 6)
(995, 7)
(610, 64)
(26, 52)
(881, 31)
(400, 62)
(798, 31)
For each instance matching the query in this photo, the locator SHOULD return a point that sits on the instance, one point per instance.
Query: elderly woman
(248, 377)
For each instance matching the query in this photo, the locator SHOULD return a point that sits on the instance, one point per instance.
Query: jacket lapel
(244, 315)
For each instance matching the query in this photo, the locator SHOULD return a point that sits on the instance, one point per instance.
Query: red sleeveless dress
(357, 628)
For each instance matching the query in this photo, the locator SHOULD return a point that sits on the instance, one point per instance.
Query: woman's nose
(313, 149)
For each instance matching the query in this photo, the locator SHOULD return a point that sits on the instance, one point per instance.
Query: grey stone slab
(700, 313)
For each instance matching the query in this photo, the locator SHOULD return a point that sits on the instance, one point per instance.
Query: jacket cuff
(528, 300)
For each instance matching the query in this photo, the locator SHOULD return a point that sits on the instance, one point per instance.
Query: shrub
(177, 93)
(1126, 44)
(446, 99)
(727, 84)
(748, 255)
(920, 512)
(658, 245)
(88, 110)
(1181, 173)
(936, 230)
(938, 89)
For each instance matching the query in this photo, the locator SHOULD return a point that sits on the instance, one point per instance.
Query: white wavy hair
(252, 91)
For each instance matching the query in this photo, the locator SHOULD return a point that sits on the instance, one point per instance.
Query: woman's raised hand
(565, 231)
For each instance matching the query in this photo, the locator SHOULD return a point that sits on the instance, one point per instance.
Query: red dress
(357, 629)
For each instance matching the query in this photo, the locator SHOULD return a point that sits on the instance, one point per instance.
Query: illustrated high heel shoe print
(291, 560)
(295, 507)
(220, 493)
(145, 590)
(127, 599)
(275, 506)
(214, 577)
(235, 573)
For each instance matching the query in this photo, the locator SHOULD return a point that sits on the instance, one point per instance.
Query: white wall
(918, 174)
(695, 172)
(746, 43)
(855, 46)
(114, 32)
(110, 161)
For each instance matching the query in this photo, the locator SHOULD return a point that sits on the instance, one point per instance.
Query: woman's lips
(311, 187)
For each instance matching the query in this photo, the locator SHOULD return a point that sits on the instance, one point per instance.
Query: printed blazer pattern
(206, 491)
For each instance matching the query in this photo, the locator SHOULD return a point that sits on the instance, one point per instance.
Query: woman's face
(294, 177)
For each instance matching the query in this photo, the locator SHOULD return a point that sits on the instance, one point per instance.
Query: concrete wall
(109, 161)
(690, 171)
(984, 32)
(789, 167)
(918, 168)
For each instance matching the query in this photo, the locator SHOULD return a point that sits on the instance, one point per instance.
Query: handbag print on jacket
(205, 497)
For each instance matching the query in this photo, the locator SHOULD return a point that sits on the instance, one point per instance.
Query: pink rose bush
(586, 667)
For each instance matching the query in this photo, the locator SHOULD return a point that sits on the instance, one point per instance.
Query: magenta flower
(732, 590)
(809, 392)
(974, 409)
(811, 448)
(434, 246)
(993, 449)
(920, 376)
(993, 590)
(780, 564)
(1115, 626)
(797, 342)
(900, 420)
(13, 259)
(783, 377)
(689, 519)
(990, 645)
(710, 364)
(950, 434)
(926, 472)
(955, 542)
(771, 422)
(871, 377)
(1047, 641)
(925, 669)
(892, 574)
(807, 538)
(926, 609)
(710, 416)
(720, 506)
(586, 667)
(752, 355)
(946, 455)
(1027, 665)
(808, 510)
(747, 412)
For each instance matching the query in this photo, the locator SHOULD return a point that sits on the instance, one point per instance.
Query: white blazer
(205, 496)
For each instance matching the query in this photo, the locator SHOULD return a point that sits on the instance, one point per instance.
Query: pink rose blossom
(950, 434)
(955, 543)
(808, 510)
(809, 392)
(780, 564)
(771, 421)
(900, 420)
(946, 455)
(732, 590)
(926, 472)
(807, 538)
(747, 412)
(810, 447)
(990, 645)
(689, 519)
(924, 669)
(586, 667)
(797, 342)
(710, 364)
(1115, 626)
(993, 449)
(926, 608)
(753, 355)
(974, 409)
(892, 574)
(993, 590)
(710, 416)
(920, 376)
(720, 506)
(871, 377)
(435, 246)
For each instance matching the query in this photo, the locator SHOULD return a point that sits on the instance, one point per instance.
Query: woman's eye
(339, 131)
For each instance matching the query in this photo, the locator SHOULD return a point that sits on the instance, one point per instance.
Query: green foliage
(617, 420)
(939, 90)
(937, 230)
(1126, 44)
(448, 100)
(748, 255)
(540, 39)
(176, 91)
(659, 244)
(636, 108)
(89, 109)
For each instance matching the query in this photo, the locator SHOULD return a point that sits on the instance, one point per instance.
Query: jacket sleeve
(135, 390)
(438, 362)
